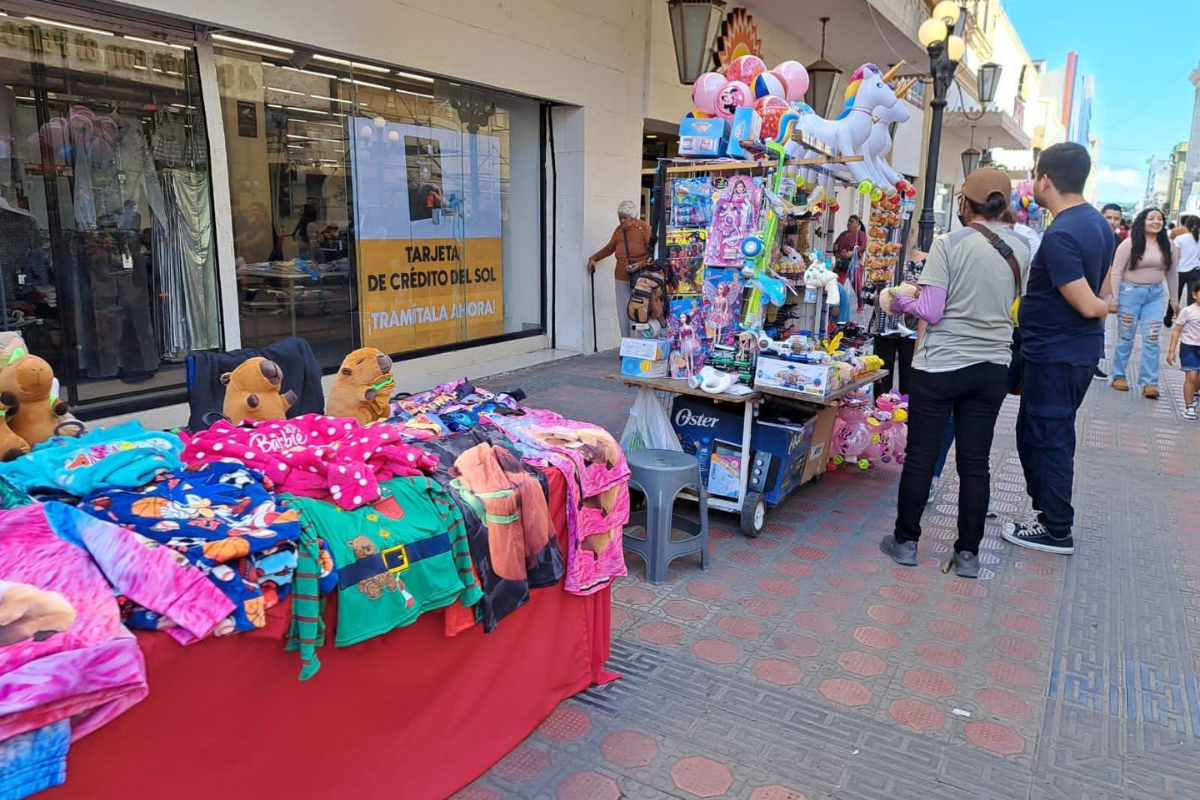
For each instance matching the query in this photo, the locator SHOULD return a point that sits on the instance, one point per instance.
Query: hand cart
(750, 506)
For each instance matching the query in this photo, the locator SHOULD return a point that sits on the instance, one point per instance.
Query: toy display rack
(750, 507)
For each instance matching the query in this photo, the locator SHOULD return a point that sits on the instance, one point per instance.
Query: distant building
(1190, 194)
(1175, 194)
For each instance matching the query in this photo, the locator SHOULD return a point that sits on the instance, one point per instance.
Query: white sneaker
(992, 513)
(1190, 411)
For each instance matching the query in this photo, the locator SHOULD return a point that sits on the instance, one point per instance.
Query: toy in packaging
(692, 203)
(747, 127)
(736, 216)
(722, 305)
(685, 262)
(688, 348)
(703, 137)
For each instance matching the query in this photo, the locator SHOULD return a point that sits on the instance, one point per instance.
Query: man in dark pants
(968, 288)
(1062, 340)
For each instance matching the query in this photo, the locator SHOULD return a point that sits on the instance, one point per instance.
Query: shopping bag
(648, 427)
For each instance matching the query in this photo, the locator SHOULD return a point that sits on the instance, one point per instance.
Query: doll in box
(722, 304)
(736, 215)
(686, 324)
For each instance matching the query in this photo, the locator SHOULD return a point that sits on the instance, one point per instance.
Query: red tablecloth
(412, 714)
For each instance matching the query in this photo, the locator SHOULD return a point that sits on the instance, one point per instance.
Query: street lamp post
(694, 27)
(945, 49)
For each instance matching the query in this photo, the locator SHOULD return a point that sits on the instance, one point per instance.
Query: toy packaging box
(747, 125)
(722, 305)
(689, 348)
(685, 262)
(703, 137)
(650, 349)
(691, 204)
(736, 215)
(712, 432)
(815, 379)
(635, 367)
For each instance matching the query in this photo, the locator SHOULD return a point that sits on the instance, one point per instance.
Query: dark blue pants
(1050, 397)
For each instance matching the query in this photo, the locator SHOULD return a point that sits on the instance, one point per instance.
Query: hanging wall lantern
(694, 26)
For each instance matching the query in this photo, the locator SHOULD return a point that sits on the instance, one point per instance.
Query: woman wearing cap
(971, 280)
(630, 242)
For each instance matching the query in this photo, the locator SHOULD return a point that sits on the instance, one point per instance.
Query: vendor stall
(750, 296)
(391, 598)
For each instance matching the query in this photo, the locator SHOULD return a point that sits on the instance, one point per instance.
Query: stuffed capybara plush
(252, 391)
(11, 445)
(363, 387)
(38, 416)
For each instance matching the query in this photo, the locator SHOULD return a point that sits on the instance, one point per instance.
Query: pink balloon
(733, 95)
(795, 77)
(745, 69)
(705, 91)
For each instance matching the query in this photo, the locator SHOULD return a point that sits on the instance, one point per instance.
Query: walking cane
(595, 342)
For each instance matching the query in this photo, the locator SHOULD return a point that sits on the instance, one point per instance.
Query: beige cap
(984, 182)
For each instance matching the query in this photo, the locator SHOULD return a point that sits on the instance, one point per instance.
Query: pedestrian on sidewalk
(1062, 339)
(630, 243)
(1186, 337)
(1142, 265)
(971, 280)
(1115, 217)
(1186, 236)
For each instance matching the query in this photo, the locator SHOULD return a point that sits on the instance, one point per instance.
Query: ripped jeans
(1139, 306)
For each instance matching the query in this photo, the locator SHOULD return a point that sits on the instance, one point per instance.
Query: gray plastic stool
(662, 475)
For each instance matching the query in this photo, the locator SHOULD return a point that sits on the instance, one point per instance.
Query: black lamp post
(945, 50)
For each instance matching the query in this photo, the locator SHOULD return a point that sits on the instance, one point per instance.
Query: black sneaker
(1033, 536)
(1099, 374)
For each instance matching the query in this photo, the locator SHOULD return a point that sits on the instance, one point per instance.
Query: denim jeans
(973, 395)
(1050, 397)
(1139, 306)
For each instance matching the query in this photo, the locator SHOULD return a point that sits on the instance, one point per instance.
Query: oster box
(713, 432)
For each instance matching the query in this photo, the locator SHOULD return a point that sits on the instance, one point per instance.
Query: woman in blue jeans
(1145, 278)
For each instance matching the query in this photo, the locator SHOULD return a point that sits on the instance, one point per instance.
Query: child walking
(1186, 335)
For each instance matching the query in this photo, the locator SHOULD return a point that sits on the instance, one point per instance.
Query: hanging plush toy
(38, 414)
(252, 391)
(363, 387)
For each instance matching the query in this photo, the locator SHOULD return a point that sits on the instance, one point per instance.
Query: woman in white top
(1142, 265)
(1187, 238)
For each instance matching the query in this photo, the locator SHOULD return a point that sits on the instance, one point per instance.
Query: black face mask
(962, 220)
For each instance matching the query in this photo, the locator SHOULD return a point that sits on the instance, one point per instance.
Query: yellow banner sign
(420, 293)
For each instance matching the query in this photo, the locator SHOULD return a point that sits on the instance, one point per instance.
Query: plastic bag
(648, 427)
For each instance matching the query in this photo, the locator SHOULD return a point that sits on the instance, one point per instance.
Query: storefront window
(377, 207)
(107, 259)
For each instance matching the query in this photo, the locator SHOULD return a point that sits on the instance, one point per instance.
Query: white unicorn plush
(867, 93)
(879, 143)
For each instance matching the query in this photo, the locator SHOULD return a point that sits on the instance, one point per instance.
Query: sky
(1141, 54)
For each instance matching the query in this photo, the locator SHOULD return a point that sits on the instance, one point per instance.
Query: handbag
(1009, 256)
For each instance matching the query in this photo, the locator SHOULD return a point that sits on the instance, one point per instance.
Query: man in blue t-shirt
(1062, 340)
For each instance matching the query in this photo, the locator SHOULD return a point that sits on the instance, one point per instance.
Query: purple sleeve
(929, 306)
(147, 575)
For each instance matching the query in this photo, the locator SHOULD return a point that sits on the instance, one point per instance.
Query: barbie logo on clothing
(279, 441)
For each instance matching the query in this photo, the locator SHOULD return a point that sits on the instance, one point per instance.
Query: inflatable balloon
(770, 84)
(745, 69)
(795, 77)
(705, 91)
(696, 113)
(771, 109)
(733, 95)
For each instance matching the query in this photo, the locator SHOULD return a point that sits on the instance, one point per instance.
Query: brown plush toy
(363, 387)
(252, 391)
(38, 416)
(11, 445)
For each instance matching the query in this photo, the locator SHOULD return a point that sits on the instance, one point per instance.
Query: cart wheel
(817, 478)
(754, 513)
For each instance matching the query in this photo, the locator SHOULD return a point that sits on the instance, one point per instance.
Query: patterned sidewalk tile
(804, 664)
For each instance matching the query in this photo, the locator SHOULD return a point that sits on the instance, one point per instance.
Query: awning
(998, 126)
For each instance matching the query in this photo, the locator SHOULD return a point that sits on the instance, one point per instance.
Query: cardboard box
(643, 367)
(815, 379)
(652, 349)
(703, 137)
(779, 451)
(818, 448)
(746, 126)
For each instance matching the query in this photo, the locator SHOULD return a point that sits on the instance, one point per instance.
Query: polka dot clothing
(327, 458)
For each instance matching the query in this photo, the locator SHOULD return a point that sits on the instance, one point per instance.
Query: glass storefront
(370, 205)
(377, 207)
(107, 254)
